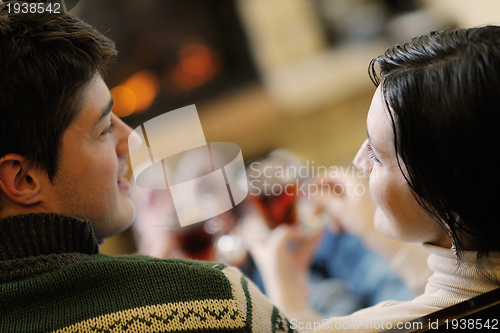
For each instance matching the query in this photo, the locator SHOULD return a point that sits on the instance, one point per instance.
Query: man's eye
(107, 130)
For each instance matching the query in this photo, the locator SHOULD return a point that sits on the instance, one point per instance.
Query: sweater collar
(456, 280)
(32, 235)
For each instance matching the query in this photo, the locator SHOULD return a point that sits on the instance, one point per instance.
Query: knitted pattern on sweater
(53, 280)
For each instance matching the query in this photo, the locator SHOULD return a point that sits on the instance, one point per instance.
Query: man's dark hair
(46, 61)
(442, 91)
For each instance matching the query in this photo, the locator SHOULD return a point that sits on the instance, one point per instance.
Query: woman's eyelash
(372, 154)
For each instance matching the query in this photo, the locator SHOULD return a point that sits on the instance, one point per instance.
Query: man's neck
(31, 235)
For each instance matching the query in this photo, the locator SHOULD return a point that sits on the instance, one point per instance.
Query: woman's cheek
(374, 185)
(378, 191)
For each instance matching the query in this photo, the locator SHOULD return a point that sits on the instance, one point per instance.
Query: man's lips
(123, 184)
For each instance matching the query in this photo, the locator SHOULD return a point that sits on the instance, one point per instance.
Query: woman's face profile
(398, 214)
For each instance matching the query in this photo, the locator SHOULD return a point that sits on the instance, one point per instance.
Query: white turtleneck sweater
(451, 283)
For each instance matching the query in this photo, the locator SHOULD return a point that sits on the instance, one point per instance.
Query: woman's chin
(383, 225)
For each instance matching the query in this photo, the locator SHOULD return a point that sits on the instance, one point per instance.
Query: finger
(306, 249)
(335, 226)
(254, 230)
(284, 234)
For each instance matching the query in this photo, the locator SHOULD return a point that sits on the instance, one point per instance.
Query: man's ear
(19, 180)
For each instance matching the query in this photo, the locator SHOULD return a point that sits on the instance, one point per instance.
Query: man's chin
(118, 222)
(126, 215)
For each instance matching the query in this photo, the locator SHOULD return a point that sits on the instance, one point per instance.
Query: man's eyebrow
(104, 113)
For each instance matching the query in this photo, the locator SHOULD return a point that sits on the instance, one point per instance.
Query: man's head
(56, 153)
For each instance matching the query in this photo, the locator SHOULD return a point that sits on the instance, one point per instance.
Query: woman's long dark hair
(443, 93)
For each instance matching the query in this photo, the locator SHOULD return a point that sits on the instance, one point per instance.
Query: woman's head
(398, 214)
(441, 96)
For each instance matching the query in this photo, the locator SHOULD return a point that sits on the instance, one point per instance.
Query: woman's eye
(372, 155)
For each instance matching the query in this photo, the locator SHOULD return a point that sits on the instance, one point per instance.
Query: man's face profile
(90, 181)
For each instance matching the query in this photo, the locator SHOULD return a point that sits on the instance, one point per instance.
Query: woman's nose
(362, 161)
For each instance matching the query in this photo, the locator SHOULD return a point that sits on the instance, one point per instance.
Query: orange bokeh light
(196, 59)
(125, 101)
(136, 94)
(197, 64)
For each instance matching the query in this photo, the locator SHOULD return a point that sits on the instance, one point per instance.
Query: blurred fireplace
(171, 53)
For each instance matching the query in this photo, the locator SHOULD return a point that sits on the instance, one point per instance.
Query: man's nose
(127, 139)
(134, 141)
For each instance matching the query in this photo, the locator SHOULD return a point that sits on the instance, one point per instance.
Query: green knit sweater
(52, 279)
